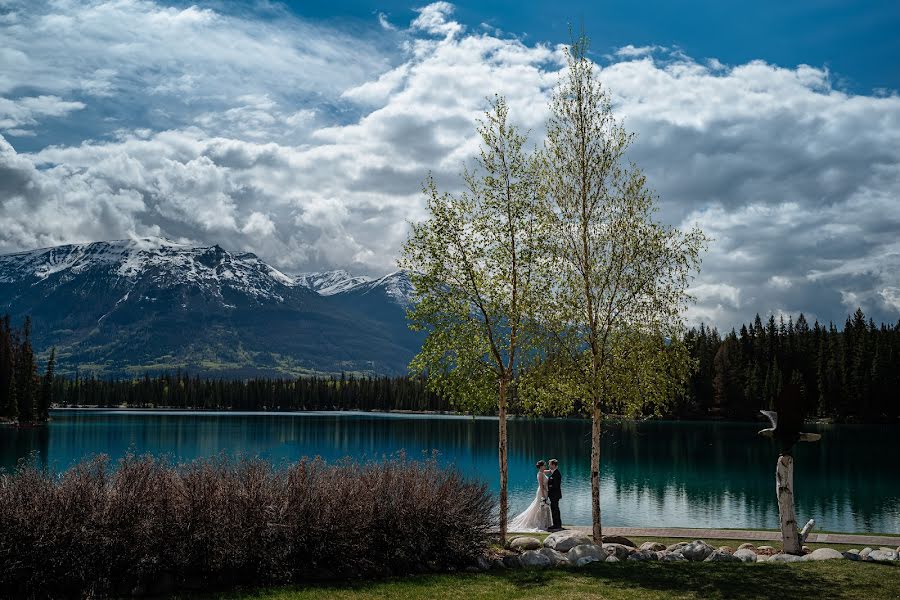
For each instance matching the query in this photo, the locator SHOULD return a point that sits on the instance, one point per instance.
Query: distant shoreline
(423, 413)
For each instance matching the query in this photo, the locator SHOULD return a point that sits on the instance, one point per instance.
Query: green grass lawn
(647, 581)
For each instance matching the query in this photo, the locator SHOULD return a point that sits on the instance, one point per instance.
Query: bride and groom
(543, 513)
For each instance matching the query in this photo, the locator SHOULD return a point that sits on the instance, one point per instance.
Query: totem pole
(786, 422)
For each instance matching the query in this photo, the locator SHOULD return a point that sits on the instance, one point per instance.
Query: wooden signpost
(786, 422)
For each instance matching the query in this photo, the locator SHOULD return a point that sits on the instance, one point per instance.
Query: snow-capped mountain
(329, 283)
(152, 304)
(165, 263)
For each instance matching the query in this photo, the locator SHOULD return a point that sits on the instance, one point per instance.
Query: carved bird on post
(787, 418)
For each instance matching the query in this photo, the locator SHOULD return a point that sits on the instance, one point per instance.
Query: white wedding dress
(537, 516)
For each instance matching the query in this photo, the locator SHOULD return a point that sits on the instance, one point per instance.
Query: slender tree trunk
(595, 472)
(784, 489)
(504, 475)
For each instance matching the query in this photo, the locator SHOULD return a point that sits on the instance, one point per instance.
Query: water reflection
(654, 473)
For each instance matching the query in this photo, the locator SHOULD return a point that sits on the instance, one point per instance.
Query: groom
(554, 492)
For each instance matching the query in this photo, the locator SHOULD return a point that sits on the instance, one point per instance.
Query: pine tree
(46, 396)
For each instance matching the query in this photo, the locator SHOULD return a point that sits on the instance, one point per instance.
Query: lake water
(677, 474)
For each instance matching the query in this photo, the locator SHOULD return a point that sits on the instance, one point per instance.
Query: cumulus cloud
(308, 146)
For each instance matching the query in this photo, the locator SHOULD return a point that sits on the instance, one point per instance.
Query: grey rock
(882, 555)
(854, 551)
(525, 543)
(563, 541)
(697, 550)
(786, 558)
(851, 555)
(556, 558)
(586, 560)
(654, 546)
(747, 546)
(579, 552)
(534, 559)
(643, 555)
(824, 554)
(617, 539)
(677, 546)
(512, 562)
(611, 558)
(864, 552)
(619, 550)
(765, 550)
(762, 558)
(673, 557)
(745, 555)
(483, 563)
(722, 556)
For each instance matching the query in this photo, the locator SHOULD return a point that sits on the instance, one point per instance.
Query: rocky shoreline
(575, 549)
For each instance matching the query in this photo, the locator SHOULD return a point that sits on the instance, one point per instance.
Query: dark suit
(554, 493)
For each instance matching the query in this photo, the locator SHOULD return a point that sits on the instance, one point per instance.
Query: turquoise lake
(676, 474)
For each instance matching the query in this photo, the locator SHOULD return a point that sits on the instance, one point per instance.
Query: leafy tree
(476, 264)
(621, 275)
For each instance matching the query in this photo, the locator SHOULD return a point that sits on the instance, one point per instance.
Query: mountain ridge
(128, 306)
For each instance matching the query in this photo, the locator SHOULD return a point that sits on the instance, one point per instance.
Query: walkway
(738, 534)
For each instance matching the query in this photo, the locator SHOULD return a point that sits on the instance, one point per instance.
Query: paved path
(738, 534)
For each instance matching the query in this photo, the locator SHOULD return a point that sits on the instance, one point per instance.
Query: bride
(537, 516)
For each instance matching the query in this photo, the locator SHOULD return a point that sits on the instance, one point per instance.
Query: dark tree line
(308, 393)
(850, 375)
(25, 397)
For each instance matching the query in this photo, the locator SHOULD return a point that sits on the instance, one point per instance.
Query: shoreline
(430, 413)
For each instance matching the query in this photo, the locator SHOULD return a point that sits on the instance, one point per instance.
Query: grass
(648, 581)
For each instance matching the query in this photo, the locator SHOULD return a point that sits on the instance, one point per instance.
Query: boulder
(579, 552)
(525, 543)
(611, 558)
(851, 555)
(854, 551)
(673, 557)
(586, 560)
(697, 550)
(786, 558)
(763, 557)
(483, 563)
(498, 563)
(620, 551)
(677, 546)
(617, 539)
(512, 562)
(643, 555)
(727, 549)
(722, 556)
(864, 553)
(534, 559)
(745, 555)
(824, 554)
(563, 541)
(747, 546)
(805, 550)
(882, 555)
(769, 550)
(653, 546)
(556, 558)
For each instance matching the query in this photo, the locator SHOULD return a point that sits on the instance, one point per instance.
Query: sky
(302, 131)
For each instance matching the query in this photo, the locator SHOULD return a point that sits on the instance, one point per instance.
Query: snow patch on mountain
(328, 283)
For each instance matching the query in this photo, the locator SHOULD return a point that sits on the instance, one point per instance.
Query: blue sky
(302, 131)
(857, 41)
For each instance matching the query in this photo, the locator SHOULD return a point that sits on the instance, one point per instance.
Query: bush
(149, 525)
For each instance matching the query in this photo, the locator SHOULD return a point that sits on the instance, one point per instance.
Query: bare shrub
(96, 530)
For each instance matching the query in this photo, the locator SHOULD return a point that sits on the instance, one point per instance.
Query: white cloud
(309, 147)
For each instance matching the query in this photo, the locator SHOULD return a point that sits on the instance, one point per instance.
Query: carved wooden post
(784, 489)
(786, 423)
